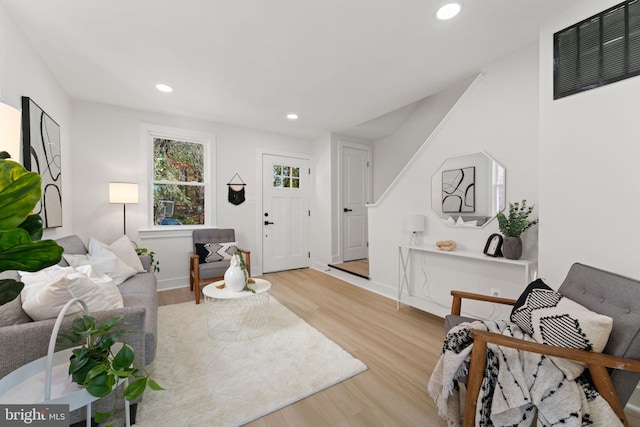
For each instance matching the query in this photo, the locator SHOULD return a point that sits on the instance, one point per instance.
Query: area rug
(211, 382)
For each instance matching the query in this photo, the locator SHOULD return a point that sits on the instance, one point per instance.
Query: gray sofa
(23, 340)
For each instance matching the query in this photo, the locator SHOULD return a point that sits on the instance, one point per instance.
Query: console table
(405, 252)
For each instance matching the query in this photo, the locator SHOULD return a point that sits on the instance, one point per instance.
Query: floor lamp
(123, 192)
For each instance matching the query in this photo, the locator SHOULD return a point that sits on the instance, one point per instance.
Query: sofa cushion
(106, 262)
(553, 319)
(12, 313)
(72, 245)
(48, 290)
(122, 248)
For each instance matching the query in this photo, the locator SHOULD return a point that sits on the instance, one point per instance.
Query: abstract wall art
(41, 153)
(458, 190)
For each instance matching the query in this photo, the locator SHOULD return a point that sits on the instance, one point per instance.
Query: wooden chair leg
(247, 262)
(196, 291)
(474, 381)
(602, 382)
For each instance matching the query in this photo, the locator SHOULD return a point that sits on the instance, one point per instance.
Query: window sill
(169, 231)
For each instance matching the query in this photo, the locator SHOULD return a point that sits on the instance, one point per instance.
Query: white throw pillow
(106, 263)
(106, 284)
(122, 248)
(48, 291)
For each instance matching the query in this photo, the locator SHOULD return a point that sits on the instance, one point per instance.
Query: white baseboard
(361, 282)
(175, 283)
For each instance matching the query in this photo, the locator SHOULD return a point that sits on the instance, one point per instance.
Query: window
(179, 165)
(602, 49)
(286, 177)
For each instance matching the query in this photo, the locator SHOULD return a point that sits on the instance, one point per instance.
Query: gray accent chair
(598, 290)
(203, 274)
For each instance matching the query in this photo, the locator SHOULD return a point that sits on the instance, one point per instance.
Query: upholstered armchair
(614, 372)
(212, 250)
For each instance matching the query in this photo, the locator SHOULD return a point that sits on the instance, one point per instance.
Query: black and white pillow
(553, 319)
(212, 252)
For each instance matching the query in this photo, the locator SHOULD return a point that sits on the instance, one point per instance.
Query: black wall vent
(602, 49)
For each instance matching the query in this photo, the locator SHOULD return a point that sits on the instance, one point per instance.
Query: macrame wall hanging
(236, 190)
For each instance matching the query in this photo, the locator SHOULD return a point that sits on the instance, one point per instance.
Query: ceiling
(339, 64)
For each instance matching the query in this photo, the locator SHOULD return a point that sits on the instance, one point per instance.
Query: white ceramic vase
(234, 276)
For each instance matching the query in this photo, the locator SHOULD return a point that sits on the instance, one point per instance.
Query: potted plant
(513, 226)
(20, 231)
(154, 265)
(95, 367)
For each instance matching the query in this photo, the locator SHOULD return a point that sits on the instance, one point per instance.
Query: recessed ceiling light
(292, 116)
(448, 11)
(164, 88)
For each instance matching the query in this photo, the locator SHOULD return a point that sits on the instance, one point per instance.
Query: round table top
(259, 286)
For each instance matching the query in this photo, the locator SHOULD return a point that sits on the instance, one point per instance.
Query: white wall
(392, 153)
(589, 171)
(321, 203)
(499, 115)
(106, 147)
(24, 74)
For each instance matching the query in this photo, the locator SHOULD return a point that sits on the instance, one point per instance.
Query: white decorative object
(234, 277)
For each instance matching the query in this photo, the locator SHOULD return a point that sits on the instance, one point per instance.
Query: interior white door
(285, 225)
(355, 190)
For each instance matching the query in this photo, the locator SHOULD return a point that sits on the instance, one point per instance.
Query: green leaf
(33, 225)
(110, 323)
(18, 252)
(101, 416)
(9, 290)
(20, 190)
(135, 389)
(101, 385)
(124, 358)
(95, 371)
(155, 386)
(83, 325)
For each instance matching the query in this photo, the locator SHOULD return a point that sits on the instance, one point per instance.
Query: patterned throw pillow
(213, 252)
(553, 319)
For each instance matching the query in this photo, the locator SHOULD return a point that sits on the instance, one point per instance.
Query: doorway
(285, 213)
(355, 189)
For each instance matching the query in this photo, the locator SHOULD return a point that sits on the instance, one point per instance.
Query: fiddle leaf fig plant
(518, 221)
(94, 365)
(20, 230)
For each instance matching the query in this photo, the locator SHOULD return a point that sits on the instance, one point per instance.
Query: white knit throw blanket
(516, 385)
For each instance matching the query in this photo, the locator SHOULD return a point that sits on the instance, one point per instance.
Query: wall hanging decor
(41, 153)
(236, 190)
(458, 190)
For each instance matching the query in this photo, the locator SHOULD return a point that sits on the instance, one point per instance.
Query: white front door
(285, 216)
(355, 196)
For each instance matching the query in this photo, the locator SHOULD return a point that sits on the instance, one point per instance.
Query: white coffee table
(236, 316)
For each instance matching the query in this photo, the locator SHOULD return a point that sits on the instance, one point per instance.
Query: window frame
(208, 140)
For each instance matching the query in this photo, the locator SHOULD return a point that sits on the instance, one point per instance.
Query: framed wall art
(41, 153)
(458, 190)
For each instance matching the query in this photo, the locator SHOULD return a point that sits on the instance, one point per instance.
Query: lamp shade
(10, 130)
(414, 223)
(123, 192)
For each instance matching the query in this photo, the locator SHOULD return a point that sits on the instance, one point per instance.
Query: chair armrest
(456, 305)
(588, 357)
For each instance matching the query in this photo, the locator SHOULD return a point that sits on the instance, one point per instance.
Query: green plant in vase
(155, 265)
(94, 365)
(513, 226)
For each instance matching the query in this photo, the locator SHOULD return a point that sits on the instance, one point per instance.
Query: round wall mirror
(468, 191)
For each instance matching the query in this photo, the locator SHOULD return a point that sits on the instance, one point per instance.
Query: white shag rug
(211, 382)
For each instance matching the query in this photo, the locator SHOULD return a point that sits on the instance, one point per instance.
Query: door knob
(348, 210)
(268, 222)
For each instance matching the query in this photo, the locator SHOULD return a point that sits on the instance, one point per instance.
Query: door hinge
(367, 244)
(309, 213)
(309, 171)
(309, 254)
(367, 164)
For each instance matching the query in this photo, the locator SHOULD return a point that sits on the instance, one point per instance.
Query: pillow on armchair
(553, 319)
(213, 252)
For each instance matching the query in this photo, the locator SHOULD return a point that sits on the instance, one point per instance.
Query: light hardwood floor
(400, 349)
